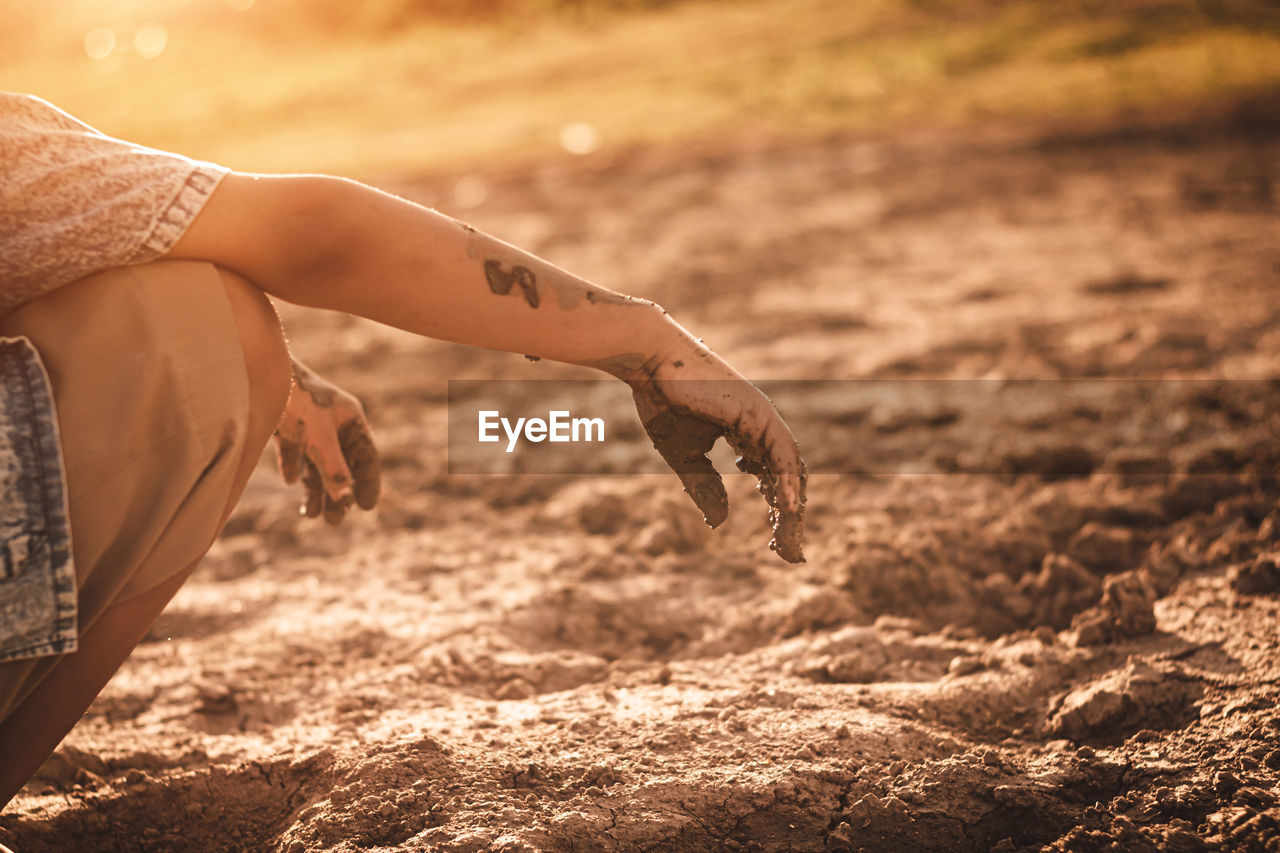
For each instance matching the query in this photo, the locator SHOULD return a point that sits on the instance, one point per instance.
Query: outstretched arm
(336, 244)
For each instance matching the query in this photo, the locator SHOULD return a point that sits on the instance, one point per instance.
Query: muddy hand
(684, 440)
(323, 439)
(685, 417)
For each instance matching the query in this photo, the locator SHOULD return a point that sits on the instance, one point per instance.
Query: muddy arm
(335, 244)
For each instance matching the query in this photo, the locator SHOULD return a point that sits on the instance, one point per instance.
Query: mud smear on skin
(501, 275)
(570, 290)
(600, 296)
(502, 281)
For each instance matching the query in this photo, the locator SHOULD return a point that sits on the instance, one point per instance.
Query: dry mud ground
(1063, 639)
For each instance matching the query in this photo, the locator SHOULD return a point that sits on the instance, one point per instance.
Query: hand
(689, 401)
(324, 440)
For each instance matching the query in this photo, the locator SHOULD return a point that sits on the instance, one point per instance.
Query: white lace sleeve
(74, 201)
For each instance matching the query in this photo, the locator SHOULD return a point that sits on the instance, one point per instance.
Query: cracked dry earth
(1049, 626)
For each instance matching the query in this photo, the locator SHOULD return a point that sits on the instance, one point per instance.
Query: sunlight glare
(100, 43)
(150, 41)
(578, 137)
(241, 5)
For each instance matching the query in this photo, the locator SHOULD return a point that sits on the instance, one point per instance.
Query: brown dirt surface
(1078, 651)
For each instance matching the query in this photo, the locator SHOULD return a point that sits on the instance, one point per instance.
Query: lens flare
(150, 41)
(578, 137)
(100, 43)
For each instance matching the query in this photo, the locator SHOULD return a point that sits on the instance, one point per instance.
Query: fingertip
(314, 503)
(709, 496)
(791, 552)
(362, 459)
(368, 486)
(290, 459)
(367, 497)
(335, 511)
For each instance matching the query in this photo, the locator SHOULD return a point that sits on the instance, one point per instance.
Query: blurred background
(379, 88)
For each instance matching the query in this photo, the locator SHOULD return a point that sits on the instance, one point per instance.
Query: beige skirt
(152, 397)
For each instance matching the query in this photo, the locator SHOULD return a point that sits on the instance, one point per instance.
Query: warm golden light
(100, 43)
(372, 88)
(578, 137)
(150, 41)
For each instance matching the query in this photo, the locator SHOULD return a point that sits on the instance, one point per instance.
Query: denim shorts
(37, 577)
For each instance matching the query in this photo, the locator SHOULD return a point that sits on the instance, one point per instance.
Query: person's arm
(335, 244)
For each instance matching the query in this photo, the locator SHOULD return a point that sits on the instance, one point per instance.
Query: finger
(683, 440)
(289, 456)
(335, 511)
(787, 518)
(313, 505)
(790, 475)
(362, 460)
(773, 457)
(325, 452)
(702, 483)
(788, 536)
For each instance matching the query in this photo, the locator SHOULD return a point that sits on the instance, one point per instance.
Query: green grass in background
(394, 86)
